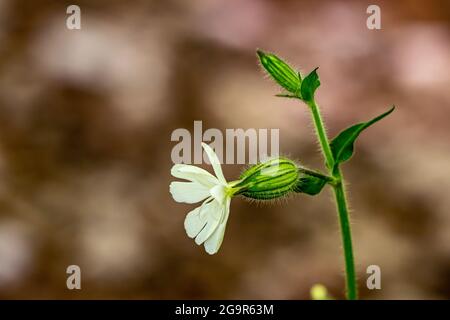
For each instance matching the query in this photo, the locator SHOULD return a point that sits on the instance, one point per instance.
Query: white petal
(194, 223)
(213, 243)
(194, 174)
(214, 162)
(188, 192)
(218, 192)
(212, 213)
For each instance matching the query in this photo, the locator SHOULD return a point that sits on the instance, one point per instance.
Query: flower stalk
(321, 133)
(328, 179)
(344, 221)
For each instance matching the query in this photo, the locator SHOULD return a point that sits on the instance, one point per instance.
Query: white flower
(207, 222)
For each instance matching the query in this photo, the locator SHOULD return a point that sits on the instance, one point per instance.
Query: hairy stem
(341, 202)
(344, 219)
(321, 134)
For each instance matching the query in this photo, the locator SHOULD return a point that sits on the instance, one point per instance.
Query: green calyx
(268, 180)
(276, 178)
(281, 72)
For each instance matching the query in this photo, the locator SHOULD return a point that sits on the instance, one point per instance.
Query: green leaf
(310, 185)
(309, 86)
(342, 146)
(280, 71)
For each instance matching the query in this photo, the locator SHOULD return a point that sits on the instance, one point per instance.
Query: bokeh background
(85, 124)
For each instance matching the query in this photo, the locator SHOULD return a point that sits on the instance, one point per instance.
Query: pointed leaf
(309, 85)
(342, 146)
(309, 185)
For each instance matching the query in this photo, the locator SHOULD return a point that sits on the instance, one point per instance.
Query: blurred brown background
(85, 123)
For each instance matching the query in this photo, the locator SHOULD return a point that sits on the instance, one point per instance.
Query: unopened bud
(268, 180)
(280, 71)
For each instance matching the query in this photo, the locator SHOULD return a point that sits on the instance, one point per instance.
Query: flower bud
(268, 180)
(280, 71)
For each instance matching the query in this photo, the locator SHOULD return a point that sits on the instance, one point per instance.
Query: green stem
(344, 219)
(341, 202)
(328, 179)
(321, 133)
